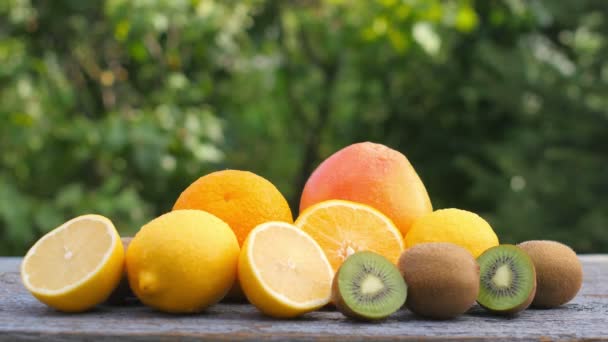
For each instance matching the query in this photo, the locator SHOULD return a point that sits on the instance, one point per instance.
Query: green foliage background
(115, 106)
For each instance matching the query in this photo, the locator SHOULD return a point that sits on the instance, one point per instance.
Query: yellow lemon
(75, 266)
(183, 261)
(457, 226)
(283, 271)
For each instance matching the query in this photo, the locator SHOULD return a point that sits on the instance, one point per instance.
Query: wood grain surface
(23, 318)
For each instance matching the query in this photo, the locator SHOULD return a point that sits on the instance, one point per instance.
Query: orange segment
(283, 271)
(342, 228)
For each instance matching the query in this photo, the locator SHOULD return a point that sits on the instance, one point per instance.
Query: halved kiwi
(507, 280)
(368, 287)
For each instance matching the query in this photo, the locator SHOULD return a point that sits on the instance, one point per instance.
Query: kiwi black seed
(368, 286)
(559, 273)
(122, 294)
(442, 279)
(507, 280)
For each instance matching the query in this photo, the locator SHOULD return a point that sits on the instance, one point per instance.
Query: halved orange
(342, 228)
(75, 266)
(283, 271)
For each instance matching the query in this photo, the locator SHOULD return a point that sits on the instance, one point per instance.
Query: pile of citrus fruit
(366, 240)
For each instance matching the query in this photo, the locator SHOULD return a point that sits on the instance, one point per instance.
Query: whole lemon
(183, 261)
(457, 226)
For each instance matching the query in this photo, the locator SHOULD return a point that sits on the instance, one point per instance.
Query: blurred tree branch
(311, 126)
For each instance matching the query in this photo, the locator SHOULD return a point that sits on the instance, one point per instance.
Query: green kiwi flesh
(507, 280)
(368, 286)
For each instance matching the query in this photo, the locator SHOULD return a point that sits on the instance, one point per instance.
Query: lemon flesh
(75, 266)
(283, 271)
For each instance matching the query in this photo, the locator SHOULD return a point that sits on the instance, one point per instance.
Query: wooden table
(24, 318)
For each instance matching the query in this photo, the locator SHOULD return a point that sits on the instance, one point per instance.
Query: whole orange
(371, 174)
(240, 198)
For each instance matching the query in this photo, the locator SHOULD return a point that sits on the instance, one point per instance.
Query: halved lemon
(342, 228)
(283, 271)
(75, 266)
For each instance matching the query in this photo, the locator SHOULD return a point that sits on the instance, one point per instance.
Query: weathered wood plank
(9, 264)
(24, 318)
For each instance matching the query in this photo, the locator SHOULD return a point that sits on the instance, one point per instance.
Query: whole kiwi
(442, 279)
(122, 294)
(559, 273)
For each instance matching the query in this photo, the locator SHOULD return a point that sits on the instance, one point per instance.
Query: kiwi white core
(503, 277)
(371, 284)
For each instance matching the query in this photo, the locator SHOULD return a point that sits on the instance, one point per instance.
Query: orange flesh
(342, 231)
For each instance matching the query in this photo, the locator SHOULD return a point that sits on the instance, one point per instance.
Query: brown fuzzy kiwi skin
(559, 273)
(442, 279)
(122, 294)
(338, 301)
(523, 306)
